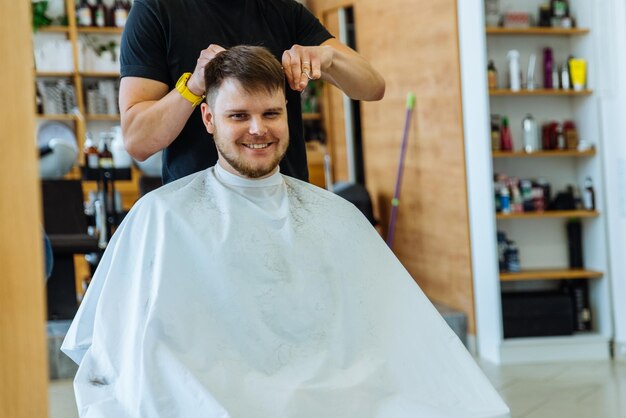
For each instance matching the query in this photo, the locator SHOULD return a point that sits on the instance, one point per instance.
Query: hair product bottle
(589, 195)
(531, 138)
(548, 63)
(514, 70)
(506, 141)
(492, 76)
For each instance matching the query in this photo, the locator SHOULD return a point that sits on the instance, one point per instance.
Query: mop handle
(410, 103)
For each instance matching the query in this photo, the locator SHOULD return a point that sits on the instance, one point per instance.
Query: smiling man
(246, 112)
(238, 292)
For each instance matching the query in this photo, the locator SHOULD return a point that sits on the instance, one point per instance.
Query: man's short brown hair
(254, 67)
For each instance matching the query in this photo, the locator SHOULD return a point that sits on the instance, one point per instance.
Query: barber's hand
(304, 63)
(196, 82)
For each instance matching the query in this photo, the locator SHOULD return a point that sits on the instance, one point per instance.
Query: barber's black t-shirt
(162, 39)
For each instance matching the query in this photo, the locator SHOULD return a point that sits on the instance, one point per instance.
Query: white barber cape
(222, 297)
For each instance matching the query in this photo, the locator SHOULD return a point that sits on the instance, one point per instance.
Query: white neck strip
(234, 180)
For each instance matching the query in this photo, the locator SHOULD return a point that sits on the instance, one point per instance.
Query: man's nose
(257, 126)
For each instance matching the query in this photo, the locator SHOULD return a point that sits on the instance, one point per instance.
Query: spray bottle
(514, 70)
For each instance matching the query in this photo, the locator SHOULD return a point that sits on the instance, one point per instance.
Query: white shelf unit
(74, 67)
(542, 242)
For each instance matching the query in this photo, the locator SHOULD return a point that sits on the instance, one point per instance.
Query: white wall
(476, 133)
(612, 92)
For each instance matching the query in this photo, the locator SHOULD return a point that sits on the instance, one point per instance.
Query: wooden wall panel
(414, 44)
(334, 119)
(24, 371)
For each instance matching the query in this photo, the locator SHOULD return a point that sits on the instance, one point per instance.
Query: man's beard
(246, 169)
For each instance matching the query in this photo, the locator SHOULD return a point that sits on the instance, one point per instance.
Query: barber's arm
(337, 64)
(152, 116)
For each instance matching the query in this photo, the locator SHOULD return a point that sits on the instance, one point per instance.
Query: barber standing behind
(165, 40)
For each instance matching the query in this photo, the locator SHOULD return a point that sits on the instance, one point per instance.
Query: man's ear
(207, 118)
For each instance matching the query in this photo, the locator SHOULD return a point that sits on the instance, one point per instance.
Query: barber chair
(149, 183)
(66, 225)
(358, 195)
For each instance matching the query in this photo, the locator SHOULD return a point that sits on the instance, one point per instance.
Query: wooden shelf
(56, 117)
(543, 154)
(536, 31)
(99, 74)
(550, 274)
(550, 214)
(539, 92)
(103, 117)
(101, 31)
(54, 74)
(311, 116)
(80, 29)
(53, 29)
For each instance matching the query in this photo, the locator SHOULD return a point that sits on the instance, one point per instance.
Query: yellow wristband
(181, 87)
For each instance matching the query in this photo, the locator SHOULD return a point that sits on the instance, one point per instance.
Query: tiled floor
(572, 390)
(61, 399)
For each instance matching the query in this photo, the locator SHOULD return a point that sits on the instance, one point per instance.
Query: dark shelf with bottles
(540, 92)
(535, 31)
(101, 17)
(550, 274)
(105, 30)
(544, 153)
(110, 174)
(549, 214)
(53, 29)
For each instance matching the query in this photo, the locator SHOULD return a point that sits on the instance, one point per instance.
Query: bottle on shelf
(531, 138)
(544, 15)
(84, 15)
(589, 195)
(495, 133)
(105, 158)
(546, 193)
(514, 70)
(38, 100)
(530, 73)
(506, 141)
(565, 84)
(121, 158)
(91, 152)
(571, 135)
(501, 249)
(505, 199)
(560, 137)
(492, 75)
(526, 190)
(492, 12)
(517, 203)
(556, 77)
(548, 64)
(574, 230)
(100, 13)
(511, 257)
(577, 199)
(120, 13)
(560, 12)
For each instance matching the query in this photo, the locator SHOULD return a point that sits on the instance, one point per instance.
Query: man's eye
(272, 115)
(238, 116)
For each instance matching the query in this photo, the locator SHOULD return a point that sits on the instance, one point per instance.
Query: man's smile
(257, 146)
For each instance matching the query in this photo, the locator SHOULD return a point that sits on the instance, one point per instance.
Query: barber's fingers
(300, 65)
(206, 55)
(209, 53)
(292, 68)
(196, 81)
(316, 67)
